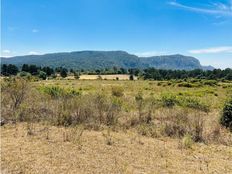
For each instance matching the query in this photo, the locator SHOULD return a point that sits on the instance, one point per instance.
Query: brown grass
(107, 77)
(128, 153)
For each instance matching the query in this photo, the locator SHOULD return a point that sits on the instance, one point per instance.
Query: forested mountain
(106, 59)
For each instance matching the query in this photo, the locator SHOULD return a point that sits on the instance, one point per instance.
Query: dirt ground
(44, 149)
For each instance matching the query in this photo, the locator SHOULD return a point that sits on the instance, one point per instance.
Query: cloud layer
(150, 53)
(225, 49)
(220, 9)
(33, 53)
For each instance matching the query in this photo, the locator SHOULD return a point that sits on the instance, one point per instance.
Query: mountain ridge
(106, 59)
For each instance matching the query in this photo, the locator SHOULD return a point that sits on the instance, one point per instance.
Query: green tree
(12, 69)
(131, 77)
(63, 72)
(226, 119)
(33, 69)
(4, 70)
(25, 68)
(42, 75)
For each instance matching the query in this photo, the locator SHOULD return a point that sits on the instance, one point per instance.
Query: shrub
(117, 91)
(177, 126)
(210, 82)
(169, 100)
(57, 92)
(226, 119)
(194, 104)
(42, 75)
(131, 77)
(24, 74)
(181, 123)
(139, 104)
(64, 72)
(186, 84)
(13, 93)
(53, 91)
(147, 130)
(187, 141)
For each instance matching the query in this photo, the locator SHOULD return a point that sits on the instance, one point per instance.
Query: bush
(226, 119)
(13, 93)
(42, 75)
(186, 84)
(131, 77)
(187, 141)
(169, 100)
(117, 91)
(24, 74)
(64, 72)
(210, 82)
(179, 124)
(194, 104)
(56, 91)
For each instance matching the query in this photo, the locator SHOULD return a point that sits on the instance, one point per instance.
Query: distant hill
(106, 59)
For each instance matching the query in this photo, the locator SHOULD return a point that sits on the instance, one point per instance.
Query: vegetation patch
(226, 119)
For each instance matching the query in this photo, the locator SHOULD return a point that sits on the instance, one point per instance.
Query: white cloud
(35, 30)
(216, 9)
(33, 53)
(224, 49)
(149, 53)
(6, 51)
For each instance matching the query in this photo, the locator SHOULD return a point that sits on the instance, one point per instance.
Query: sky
(198, 28)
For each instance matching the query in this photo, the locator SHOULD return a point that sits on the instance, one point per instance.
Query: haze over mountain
(106, 59)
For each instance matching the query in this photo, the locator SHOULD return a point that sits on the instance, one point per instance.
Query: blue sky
(199, 28)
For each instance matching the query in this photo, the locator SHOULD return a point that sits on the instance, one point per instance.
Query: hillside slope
(105, 59)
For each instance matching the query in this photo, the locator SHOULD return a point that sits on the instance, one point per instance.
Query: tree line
(147, 74)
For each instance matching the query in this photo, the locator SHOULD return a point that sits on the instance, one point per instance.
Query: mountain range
(90, 60)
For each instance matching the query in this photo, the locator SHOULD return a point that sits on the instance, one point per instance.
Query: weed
(187, 141)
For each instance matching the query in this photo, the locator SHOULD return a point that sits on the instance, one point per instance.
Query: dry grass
(115, 127)
(128, 153)
(107, 77)
(102, 77)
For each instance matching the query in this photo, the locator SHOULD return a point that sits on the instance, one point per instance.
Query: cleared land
(129, 153)
(148, 132)
(103, 77)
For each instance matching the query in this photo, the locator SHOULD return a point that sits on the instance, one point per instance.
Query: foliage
(117, 61)
(187, 141)
(161, 74)
(8, 70)
(117, 91)
(58, 92)
(183, 78)
(131, 77)
(169, 100)
(42, 75)
(63, 72)
(226, 119)
(13, 91)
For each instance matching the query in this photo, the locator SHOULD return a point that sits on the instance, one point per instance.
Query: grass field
(111, 126)
(103, 77)
(129, 153)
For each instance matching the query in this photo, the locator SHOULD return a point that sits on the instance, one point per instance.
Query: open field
(106, 77)
(129, 153)
(109, 126)
(103, 77)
